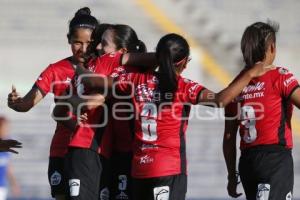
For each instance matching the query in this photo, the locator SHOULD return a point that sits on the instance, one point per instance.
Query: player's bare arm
(225, 96)
(229, 152)
(23, 104)
(295, 97)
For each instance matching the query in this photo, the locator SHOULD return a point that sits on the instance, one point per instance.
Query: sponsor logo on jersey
(122, 195)
(104, 194)
(148, 146)
(290, 80)
(74, 185)
(114, 75)
(161, 193)
(55, 178)
(263, 191)
(193, 88)
(254, 88)
(289, 196)
(146, 159)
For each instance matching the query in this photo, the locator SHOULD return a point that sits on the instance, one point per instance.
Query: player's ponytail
(82, 19)
(256, 40)
(171, 48)
(125, 37)
(141, 47)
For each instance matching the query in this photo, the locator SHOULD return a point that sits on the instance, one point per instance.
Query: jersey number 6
(148, 120)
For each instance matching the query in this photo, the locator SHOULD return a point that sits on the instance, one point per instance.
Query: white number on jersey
(248, 120)
(148, 121)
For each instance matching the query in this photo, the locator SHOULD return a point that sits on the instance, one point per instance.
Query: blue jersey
(4, 159)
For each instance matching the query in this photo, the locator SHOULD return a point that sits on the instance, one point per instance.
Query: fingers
(232, 187)
(13, 96)
(10, 144)
(13, 88)
(83, 118)
(13, 151)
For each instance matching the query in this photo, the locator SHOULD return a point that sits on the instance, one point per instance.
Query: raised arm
(139, 59)
(23, 104)
(225, 96)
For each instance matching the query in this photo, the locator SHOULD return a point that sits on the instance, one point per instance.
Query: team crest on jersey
(186, 80)
(144, 94)
(283, 71)
(161, 193)
(154, 80)
(55, 178)
(263, 191)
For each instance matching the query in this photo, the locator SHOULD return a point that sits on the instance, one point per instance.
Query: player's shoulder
(280, 71)
(185, 81)
(63, 63)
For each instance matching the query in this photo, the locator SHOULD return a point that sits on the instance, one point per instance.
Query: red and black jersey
(122, 122)
(265, 109)
(56, 79)
(159, 141)
(95, 133)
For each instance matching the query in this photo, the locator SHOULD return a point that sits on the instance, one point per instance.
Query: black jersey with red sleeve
(56, 79)
(94, 133)
(159, 141)
(265, 109)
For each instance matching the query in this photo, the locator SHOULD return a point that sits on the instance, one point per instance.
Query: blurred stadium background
(33, 34)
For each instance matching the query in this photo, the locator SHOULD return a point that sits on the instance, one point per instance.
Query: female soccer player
(91, 139)
(162, 102)
(262, 112)
(56, 78)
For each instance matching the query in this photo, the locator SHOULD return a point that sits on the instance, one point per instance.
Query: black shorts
(267, 173)
(56, 176)
(167, 187)
(105, 181)
(83, 170)
(121, 185)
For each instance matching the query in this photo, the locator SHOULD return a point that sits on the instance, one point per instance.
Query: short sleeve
(107, 63)
(286, 83)
(43, 82)
(189, 91)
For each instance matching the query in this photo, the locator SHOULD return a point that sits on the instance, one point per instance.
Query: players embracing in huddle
(139, 151)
